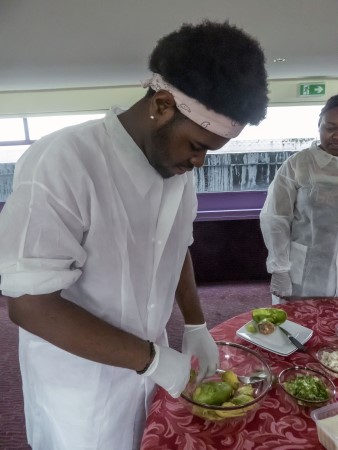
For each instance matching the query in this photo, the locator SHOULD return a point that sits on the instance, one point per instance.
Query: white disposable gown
(91, 217)
(299, 222)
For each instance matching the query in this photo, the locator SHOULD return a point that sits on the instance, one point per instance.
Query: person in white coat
(95, 237)
(299, 219)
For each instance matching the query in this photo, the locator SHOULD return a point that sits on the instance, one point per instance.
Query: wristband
(152, 353)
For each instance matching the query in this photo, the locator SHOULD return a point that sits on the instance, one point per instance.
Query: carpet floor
(12, 423)
(220, 301)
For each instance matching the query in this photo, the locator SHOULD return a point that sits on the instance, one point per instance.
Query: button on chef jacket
(89, 216)
(299, 222)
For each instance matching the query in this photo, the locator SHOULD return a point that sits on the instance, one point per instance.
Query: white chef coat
(91, 217)
(299, 222)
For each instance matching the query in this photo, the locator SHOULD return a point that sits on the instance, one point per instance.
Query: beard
(158, 149)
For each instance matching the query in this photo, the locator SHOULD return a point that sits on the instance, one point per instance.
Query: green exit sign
(309, 89)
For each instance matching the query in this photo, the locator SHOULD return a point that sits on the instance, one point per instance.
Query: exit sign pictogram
(309, 89)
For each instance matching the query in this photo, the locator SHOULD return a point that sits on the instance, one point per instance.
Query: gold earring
(152, 117)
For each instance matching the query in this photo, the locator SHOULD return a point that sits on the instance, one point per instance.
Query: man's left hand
(197, 341)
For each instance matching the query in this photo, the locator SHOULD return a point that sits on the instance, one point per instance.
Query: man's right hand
(170, 369)
(281, 284)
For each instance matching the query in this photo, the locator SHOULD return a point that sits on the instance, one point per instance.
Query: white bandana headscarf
(207, 118)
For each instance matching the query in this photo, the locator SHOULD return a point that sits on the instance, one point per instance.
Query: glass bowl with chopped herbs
(307, 387)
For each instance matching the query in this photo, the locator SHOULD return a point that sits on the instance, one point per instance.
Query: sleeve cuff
(37, 283)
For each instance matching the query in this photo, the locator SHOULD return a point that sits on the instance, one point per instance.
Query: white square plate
(277, 342)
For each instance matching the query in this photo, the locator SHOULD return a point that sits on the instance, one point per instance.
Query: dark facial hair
(159, 147)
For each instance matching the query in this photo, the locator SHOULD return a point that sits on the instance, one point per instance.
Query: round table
(278, 424)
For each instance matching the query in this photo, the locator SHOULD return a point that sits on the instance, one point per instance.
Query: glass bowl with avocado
(228, 396)
(307, 387)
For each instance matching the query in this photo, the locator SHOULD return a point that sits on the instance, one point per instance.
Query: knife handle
(297, 344)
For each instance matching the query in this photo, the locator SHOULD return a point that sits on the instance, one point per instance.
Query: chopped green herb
(307, 387)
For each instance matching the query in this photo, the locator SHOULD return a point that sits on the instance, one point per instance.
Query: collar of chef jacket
(141, 173)
(321, 156)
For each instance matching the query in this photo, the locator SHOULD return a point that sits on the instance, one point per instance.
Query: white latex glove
(275, 300)
(281, 284)
(170, 370)
(197, 341)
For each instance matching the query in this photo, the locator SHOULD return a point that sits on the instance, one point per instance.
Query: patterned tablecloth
(278, 423)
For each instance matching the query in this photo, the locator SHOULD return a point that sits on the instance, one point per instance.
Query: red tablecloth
(278, 424)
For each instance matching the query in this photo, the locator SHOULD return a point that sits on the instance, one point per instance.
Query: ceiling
(51, 44)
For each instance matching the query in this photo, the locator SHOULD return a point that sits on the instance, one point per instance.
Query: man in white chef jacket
(95, 237)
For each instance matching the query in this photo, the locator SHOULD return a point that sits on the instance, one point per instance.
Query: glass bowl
(307, 387)
(328, 358)
(243, 362)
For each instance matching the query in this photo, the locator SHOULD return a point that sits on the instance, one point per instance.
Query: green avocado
(247, 389)
(242, 399)
(251, 327)
(213, 393)
(273, 315)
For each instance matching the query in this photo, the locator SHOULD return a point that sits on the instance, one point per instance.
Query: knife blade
(292, 339)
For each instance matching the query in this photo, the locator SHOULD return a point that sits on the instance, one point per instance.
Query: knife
(292, 339)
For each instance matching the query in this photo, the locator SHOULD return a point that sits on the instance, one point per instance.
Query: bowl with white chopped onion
(328, 358)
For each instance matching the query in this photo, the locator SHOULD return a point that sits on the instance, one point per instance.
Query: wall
(281, 92)
(286, 92)
(231, 250)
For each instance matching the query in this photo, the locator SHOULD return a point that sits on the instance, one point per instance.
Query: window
(247, 163)
(11, 153)
(12, 130)
(233, 182)
(40, 126)
(284, 128)
(17, 134)
(284, 122)
(250, 161)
